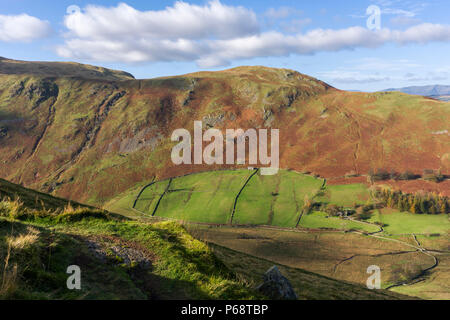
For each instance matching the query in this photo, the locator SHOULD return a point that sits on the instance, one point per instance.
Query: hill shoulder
(61, 69)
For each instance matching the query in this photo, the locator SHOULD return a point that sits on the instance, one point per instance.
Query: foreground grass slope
(343, 256)
(310, 286)
(119, 259)
(127, 259)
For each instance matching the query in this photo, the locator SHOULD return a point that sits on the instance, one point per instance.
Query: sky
(365, 45)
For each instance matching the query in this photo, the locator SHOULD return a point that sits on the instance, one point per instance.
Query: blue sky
(326, 39)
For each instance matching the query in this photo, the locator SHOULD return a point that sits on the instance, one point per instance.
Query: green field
(396, 222)
(149, 198)
(275, 200)
(209, 197)
(345, 195)
(321, 220)
(205, 197)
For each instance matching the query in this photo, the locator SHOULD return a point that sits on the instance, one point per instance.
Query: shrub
(434, 176)
(407, 175)
(429, 203)
(73, 215)
(12, 209)
(379, 175)
(333, 210)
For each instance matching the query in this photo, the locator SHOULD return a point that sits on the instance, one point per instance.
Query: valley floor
(267, 220)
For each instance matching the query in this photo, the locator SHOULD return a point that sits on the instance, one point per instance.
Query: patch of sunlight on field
(149, 198)
(345, 195)
(123, 203)
(401, 222)
(436, 286)
(275, 200)
(205, 197)
(320, 220)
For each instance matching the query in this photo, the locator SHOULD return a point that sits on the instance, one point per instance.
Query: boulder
(276, 286)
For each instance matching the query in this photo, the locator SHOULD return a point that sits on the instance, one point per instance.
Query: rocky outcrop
(276, 286)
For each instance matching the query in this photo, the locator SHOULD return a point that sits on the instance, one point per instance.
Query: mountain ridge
(90, 139)
(61, 69)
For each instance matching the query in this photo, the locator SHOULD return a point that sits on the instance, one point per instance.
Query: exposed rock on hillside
(276, 286)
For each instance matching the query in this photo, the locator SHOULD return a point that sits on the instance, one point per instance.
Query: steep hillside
(91, 139)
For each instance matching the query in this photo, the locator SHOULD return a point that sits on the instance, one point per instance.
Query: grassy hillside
(310, 286)
(92, 138)
(343, 255)
(119, 258)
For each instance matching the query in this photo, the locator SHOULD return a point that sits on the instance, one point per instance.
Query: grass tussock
(23, 241)
(9, 276)
(44, 242)
(15, 209)
(19, 248)
(70, 214)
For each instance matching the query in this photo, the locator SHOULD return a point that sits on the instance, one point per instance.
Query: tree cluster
(420, 203)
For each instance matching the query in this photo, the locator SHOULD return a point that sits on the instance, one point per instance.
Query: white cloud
(422, 33)
(183, 20)
(372, 70)
(319, 40)
(22, 28)
(212, 35)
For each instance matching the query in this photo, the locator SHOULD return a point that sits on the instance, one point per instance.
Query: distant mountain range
(434, 91)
